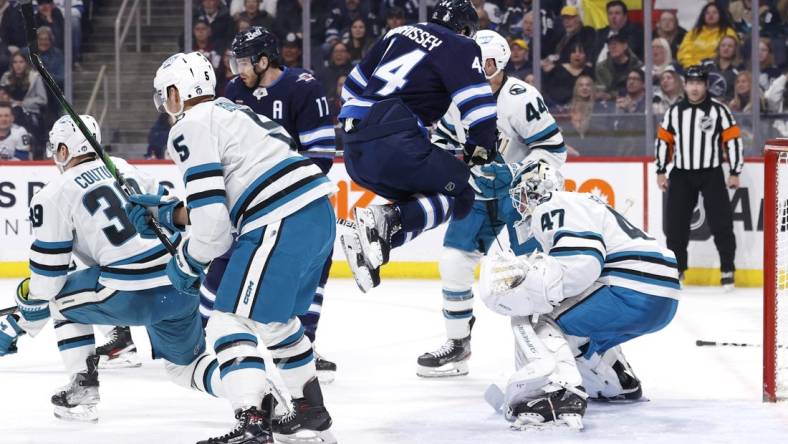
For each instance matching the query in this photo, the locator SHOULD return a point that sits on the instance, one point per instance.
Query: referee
(697, 134)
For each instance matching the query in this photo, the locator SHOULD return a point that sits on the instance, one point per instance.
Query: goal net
(775, 271)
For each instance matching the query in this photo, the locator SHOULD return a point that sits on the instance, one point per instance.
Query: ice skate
(451, 359)
(252, 427)
(728, 281)
(366, 278)
(77, 400)
(562, 408)
(119, 351)
(375, 225)
(326, 370)
(307, 421)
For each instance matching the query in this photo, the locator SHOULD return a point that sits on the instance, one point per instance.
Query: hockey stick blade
(701, 343)
(494, 397)
(26, 8)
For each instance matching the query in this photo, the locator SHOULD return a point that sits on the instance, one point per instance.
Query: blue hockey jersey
(296, 101)
(427, 66)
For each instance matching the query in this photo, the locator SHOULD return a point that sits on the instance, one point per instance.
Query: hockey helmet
(495, 47)
(191, 74)
(531, 182)
(457, 15)
(252, 44)
(66, 132)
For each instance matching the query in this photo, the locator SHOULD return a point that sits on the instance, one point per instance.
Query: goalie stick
(26, 7)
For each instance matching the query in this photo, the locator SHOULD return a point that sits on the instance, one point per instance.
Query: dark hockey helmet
(457, 15)
(696, 72)
(254, 43)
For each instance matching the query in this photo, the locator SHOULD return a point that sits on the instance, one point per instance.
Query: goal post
(775, 271)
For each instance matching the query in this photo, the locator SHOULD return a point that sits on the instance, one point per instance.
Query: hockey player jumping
(403, 85)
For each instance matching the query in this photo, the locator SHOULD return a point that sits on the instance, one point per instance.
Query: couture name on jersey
(420, 36)
(92, 176)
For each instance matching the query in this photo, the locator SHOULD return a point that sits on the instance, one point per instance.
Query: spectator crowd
(591, 60)
(33, 108)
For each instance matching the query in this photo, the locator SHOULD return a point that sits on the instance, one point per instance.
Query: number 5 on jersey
(181, 148)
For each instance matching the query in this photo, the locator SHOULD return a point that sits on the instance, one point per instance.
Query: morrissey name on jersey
(420, 36)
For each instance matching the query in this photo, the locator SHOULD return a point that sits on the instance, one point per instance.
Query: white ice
(698, 395)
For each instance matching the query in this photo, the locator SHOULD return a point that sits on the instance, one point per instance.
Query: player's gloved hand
(161, 206)
(506, 210)
(478, 155)
(495, 179)
(9, 332)
(185, 271)
(33, 313)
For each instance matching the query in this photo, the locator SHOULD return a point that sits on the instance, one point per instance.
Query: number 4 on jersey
(394, 73)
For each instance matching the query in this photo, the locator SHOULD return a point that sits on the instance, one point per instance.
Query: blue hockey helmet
(253, 44)
(457, 15)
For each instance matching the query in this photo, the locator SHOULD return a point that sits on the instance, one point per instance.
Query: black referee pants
(683, 190)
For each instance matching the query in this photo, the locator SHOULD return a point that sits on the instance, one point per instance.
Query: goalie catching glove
(521, 286)
(161, 206)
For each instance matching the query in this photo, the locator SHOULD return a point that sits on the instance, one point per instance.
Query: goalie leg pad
(457, 275)
(609, 376)
(543, 365)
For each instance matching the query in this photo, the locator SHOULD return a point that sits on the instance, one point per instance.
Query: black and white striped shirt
(696, 137)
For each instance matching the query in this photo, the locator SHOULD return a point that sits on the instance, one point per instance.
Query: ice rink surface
(697, 395)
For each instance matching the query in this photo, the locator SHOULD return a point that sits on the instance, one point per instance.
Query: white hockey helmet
(65, 132)
(191, 74)
(495, 47)
(531, 182)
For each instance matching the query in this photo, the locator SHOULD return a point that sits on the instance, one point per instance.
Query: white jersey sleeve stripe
(203, 171)
(322, 133)
(358, 77)
(479, 114)
(471, 92)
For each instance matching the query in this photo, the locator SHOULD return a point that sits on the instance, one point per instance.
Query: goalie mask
(191, 74)
(65, 132)
(531, 183)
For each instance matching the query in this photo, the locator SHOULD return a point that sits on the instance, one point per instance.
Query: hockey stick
(9, 310)
(26, 8)
(701, 343)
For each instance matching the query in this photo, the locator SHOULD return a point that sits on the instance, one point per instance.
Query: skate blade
(445, 371)
(306, 437)
(567, 421)
(124, 360)
(80, 413)
(365, 278)
(365, 226)
(326, 376)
